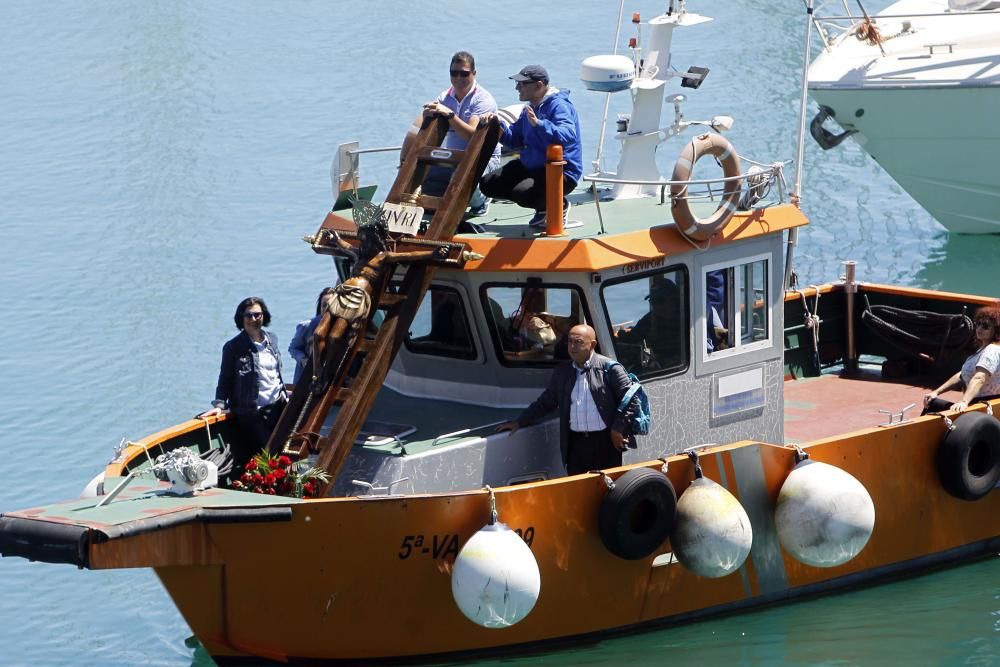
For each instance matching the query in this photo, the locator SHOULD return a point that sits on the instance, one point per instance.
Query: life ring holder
(637, 515)
(701, 229)
(968, 458)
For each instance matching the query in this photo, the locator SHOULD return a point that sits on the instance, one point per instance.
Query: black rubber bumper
(44, 541)
(51, 542)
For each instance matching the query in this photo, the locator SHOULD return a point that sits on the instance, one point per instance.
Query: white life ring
(701, 229)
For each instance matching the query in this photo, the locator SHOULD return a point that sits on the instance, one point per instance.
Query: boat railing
(760, 178)
(832, 27)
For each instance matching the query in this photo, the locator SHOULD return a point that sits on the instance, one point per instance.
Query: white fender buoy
(495, 580)
(824, 515)
(712, 533)
(95, 487)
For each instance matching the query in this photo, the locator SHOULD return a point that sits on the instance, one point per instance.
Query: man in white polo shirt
(587, 391)
(462, 104)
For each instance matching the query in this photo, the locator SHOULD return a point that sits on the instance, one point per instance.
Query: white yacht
(917, 85)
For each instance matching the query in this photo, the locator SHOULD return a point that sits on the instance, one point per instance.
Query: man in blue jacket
(547, 118)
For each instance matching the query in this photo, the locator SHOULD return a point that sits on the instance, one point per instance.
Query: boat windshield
(529, 323)
(441, 326)
(648, 316)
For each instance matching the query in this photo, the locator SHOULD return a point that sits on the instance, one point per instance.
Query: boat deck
(834, 403)
(815, 408)
(508, 220)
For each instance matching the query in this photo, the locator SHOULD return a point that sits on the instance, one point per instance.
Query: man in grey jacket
(587, 391)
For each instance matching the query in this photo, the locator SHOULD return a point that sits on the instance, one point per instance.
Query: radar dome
(607, 74)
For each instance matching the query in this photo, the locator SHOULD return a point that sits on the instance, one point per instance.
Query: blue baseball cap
(531, 73)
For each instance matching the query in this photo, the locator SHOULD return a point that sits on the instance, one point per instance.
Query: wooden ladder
(356, 375)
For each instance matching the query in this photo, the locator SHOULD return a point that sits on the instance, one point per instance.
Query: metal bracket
(666, 465)
(119, 449)
(824, 137)
(373, 490)
(494, 516)
(800, 454)
(898, 416)
(948, 422)
(607, 480)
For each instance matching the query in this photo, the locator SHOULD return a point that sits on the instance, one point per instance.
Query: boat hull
(945, 163)
(302, 590)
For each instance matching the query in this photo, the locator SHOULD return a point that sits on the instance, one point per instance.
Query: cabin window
(736, 306)
(440, 326)
(529, 322)
(649, 321)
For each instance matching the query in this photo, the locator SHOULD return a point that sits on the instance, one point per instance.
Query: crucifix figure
(348, 311)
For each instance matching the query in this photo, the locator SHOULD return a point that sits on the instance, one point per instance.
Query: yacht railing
(832, 27)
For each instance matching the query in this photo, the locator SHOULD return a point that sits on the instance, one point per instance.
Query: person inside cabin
(586, 390)
(532, 329)
(463, 104)
(250, 384)
(715, 310)
(656, 334)
(533, 333)
(979, 373)
(301, 344)
(548, 118)
(448, 324)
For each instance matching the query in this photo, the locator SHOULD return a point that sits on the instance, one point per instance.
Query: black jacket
(608, 384)
(237, 385)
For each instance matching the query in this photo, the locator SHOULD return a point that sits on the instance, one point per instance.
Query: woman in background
(301, 343)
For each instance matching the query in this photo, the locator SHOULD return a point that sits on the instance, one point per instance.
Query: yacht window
(649, 321)
(736, 306)
(529, 323)
(440, 326)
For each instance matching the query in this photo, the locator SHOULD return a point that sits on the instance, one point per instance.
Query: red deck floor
(833, 404)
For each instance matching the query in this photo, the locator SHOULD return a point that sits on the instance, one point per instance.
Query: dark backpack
(641, 419)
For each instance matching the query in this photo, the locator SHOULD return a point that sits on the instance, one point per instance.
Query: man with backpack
(595, 429)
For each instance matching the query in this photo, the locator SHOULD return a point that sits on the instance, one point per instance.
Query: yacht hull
(938, 143)
(923, 99)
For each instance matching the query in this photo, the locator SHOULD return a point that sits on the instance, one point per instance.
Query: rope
(918, 332)
(811, 321)
(222, 458)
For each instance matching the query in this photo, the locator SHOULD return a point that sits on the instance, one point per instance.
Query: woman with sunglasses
(250, 384)
(979, 372)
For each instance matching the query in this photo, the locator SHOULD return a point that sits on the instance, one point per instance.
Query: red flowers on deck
(280, 476)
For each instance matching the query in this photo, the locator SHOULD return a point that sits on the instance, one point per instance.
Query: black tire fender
(968, 458)
(637, 515)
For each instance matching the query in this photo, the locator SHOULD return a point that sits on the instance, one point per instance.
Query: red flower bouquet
(280, 477)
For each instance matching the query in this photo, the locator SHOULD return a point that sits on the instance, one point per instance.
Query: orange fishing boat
(781, 461)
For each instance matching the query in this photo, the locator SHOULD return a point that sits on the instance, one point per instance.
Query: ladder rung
(427, 202)
(437, 155)
(390, 299)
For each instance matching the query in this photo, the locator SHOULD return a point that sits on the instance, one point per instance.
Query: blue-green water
(159, 161)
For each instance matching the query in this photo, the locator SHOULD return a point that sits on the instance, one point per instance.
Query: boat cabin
(699, 326)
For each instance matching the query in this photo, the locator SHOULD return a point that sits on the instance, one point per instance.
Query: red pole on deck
(554, 190)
